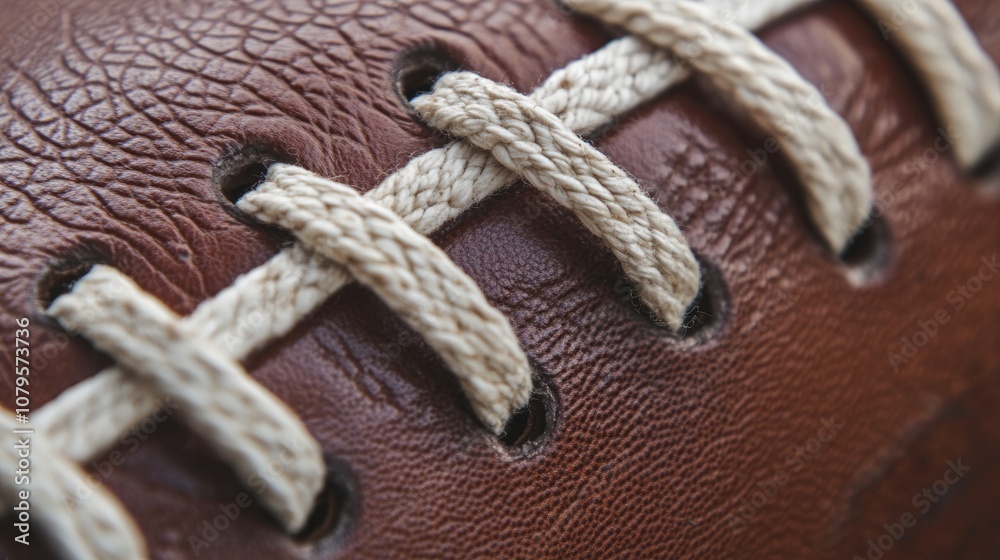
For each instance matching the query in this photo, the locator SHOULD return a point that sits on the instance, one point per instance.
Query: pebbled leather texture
(114, 114)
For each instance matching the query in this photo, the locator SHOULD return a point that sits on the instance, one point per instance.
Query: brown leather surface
(114, 114)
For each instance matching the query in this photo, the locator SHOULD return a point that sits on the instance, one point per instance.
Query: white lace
(379, 239)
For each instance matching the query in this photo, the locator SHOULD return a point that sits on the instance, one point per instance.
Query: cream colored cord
(817, 141)
(100, 528)
(379, 239)
(415, 278)
(247, 425)
(532, 142)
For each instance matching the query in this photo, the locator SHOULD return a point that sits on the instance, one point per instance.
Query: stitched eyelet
(529, 426)
(868, 252)
(526, 424)
(415, 73)
(332, 513)
(987, 175)
(988, 165)
(418, 70)
(705, 316)
(240, 169)
(61, 274)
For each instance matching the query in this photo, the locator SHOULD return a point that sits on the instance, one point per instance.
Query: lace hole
(330, 512)
(61, 275)
(418, 70)
(323, 518)
(528, 424)
(987, 174)
(988, 166)
(706, 314)
(703, 317)
(244, 180)
(867, 253)
(627, 291)
(241, 169)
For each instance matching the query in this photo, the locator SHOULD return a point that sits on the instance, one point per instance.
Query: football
(539, 279)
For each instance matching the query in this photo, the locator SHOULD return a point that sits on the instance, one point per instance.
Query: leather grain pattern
(113, 116)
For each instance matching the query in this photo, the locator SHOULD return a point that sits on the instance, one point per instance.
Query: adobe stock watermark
(924, 501)
(133, 439)
(787, 126)
(913, 169)
(689, 49)
(28, 27)
(926, 329)
(529, 210)
(763, 491)
(376, 17)
(389, 352)
(782, 301)
(902, 12)
(724, 14)
(885, 198)
(229, 513)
